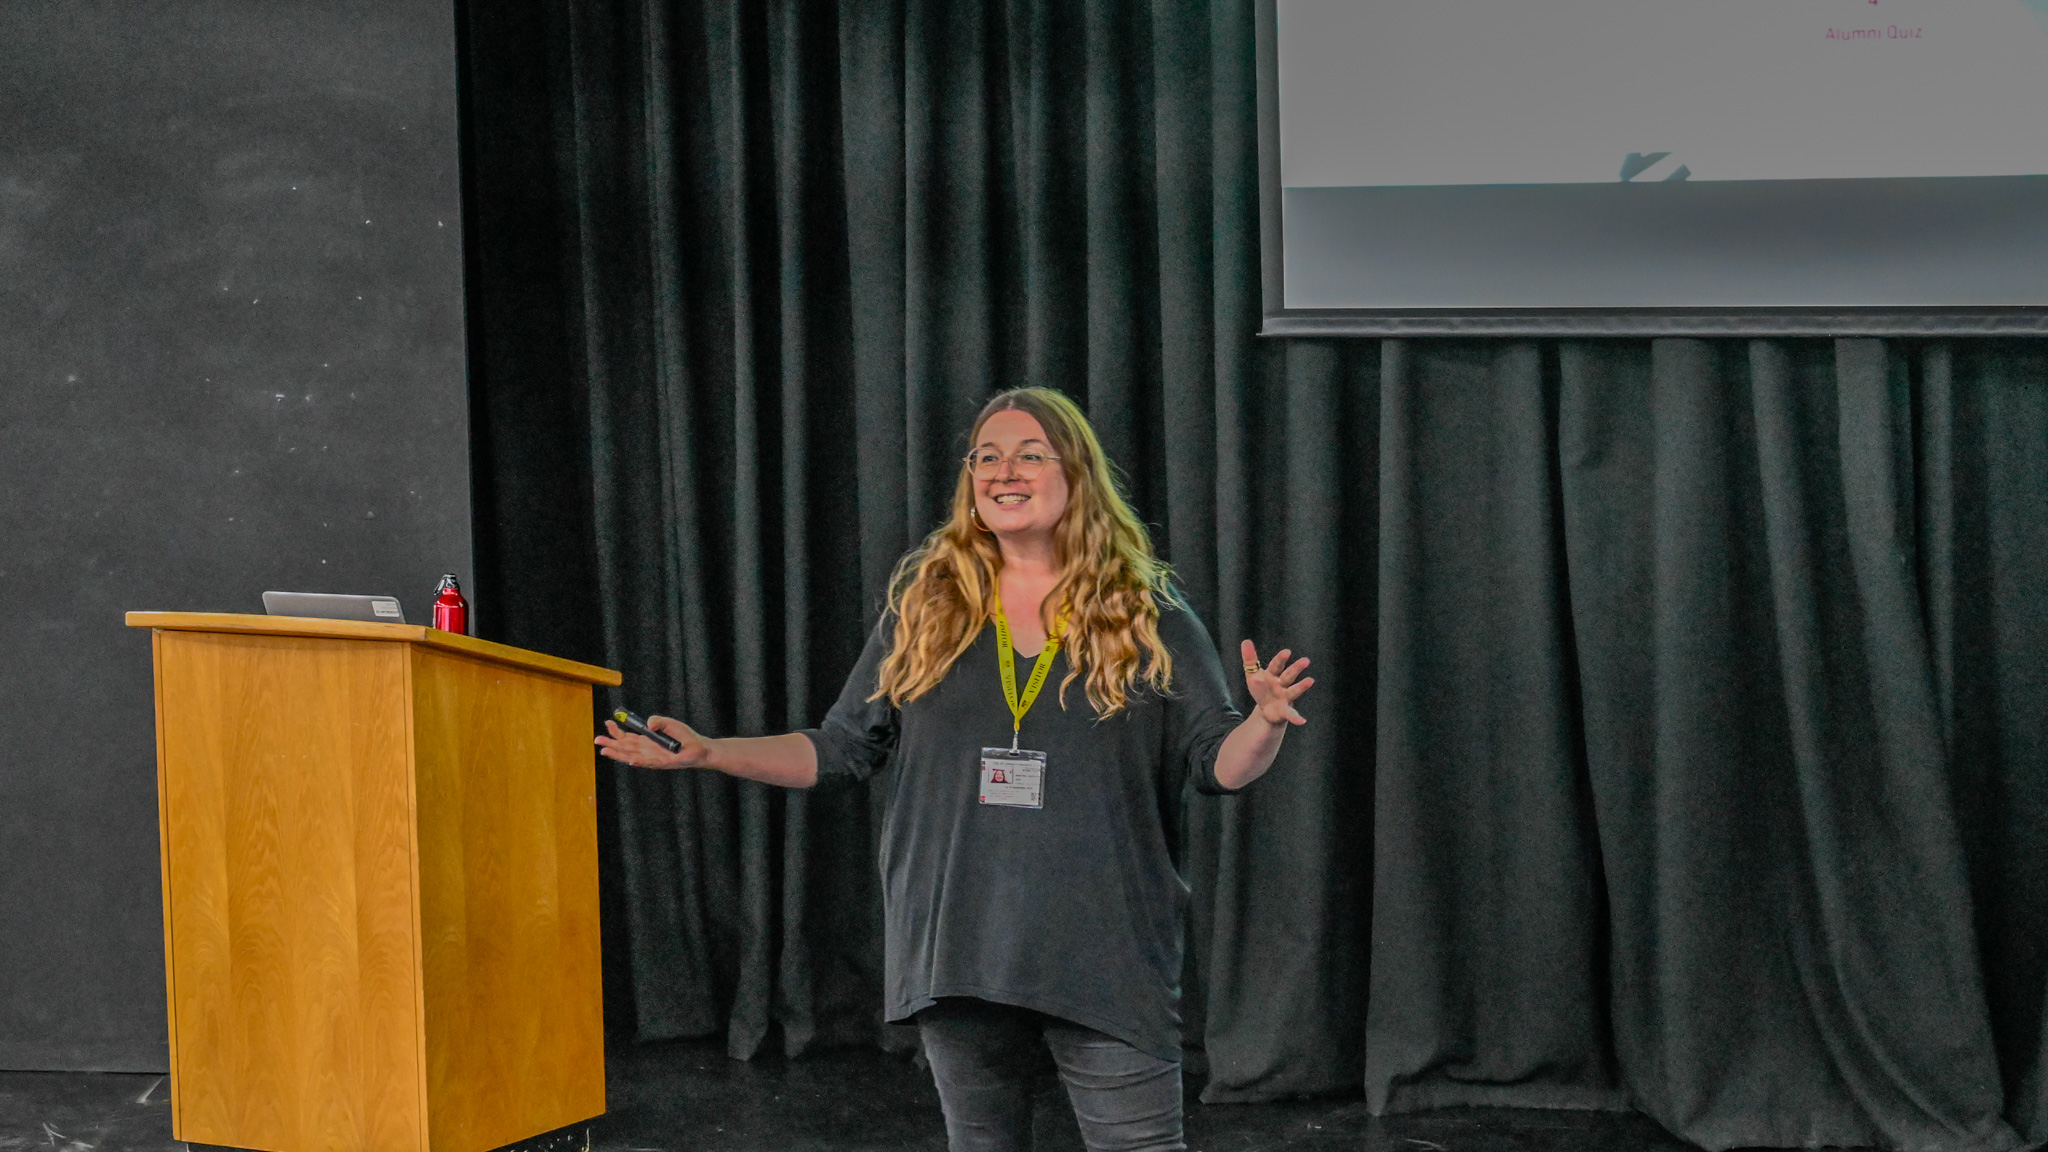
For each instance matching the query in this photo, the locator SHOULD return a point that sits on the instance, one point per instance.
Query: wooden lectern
(380, 885)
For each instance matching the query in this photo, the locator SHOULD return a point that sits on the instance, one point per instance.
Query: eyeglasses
(1025, 463)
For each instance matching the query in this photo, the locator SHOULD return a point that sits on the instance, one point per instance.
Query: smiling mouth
(1010, 499)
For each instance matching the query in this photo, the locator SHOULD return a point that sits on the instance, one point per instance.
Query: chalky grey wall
(231, 359)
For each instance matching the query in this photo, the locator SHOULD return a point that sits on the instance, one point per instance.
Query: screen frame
(1278, 320)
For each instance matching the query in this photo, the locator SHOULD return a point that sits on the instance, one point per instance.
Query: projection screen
(1713, 166)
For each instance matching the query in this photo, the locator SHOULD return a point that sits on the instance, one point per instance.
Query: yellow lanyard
(1039, 669)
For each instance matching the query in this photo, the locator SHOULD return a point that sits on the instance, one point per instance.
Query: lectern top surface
(366, 630)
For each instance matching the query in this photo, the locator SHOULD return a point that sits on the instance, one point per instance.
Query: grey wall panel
(231, 359)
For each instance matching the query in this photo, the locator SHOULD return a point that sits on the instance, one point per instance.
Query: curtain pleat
(1681, 732)
(1792, 958)
(1488, 981)
(1984, 533)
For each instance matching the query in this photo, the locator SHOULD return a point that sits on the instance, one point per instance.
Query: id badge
(1013, 778)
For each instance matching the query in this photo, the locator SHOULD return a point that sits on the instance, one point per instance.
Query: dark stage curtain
(1708, 758)
(1679, 737)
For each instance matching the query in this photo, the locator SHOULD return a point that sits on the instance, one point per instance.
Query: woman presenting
(1029, 899)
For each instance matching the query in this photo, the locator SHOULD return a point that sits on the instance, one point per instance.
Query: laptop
(329, 606)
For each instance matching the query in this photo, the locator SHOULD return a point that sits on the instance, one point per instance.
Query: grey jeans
(983, 1059)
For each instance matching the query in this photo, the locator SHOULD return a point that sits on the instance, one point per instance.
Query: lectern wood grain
(508, 909)
(380, 887)
(287, 794)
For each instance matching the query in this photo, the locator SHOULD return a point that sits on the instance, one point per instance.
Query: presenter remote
(634, 724)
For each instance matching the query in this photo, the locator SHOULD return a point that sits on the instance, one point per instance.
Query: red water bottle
(451, 611)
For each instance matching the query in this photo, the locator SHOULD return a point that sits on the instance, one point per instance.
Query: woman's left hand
(1275, 686)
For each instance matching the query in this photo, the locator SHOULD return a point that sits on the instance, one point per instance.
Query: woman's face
(1019, 485)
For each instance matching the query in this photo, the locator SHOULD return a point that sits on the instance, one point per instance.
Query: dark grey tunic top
(1074, 909)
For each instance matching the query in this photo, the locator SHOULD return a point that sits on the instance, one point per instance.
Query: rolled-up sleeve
(858, 735)
(1199, 715)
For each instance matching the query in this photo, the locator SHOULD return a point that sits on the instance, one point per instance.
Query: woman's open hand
(637, 750)
(1275, 686)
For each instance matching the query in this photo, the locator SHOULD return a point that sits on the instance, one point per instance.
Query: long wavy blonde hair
(1110, 584)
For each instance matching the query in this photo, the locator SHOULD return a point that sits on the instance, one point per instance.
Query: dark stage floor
(690, 1097)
